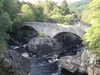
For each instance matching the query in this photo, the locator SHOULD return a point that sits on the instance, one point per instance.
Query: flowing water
(47, 66)
(41, 66)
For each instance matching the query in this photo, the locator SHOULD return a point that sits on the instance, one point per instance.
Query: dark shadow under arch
(27, 33)
(68, 39)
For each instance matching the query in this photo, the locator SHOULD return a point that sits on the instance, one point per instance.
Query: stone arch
(27, 33)
(51, 29)
(68, 39)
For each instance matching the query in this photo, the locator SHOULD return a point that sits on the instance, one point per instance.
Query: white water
(15, 47)
(26, 55)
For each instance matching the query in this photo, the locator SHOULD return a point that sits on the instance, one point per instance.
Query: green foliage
(85, 15)
(93, 33)
(27, 3)
(79, 5)
(15, 28)
(12, 7)
(56, 11)
(71, 18)
(41, 35)
(48, 11)
(88, 13)
(27, 14)
(56, 15)
(8, 11)
(58, 19)
(48, 7)
(4, 26)
(68, 19)
(38, 10)
(64, 8)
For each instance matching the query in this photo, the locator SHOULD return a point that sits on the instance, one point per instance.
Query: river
(42, 66)
(83, 25)
(48, 65)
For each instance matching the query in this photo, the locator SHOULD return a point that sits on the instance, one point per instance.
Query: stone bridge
(53, 29)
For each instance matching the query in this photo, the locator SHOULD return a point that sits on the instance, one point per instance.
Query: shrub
(41, 35)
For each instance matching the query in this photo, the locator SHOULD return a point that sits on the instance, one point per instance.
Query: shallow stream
(47, 65)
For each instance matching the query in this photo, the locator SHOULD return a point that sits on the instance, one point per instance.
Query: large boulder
(44, 46)
(12, 63)
(83, 63)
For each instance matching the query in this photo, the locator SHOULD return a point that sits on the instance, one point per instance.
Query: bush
(41, 35)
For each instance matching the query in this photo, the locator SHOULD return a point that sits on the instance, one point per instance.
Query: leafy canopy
(27, 13)
(64, 8)
(8, 11)
(93, 33)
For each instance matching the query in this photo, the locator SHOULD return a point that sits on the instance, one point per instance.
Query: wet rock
(12, 63)
(44, 46)
(5, 65)
(70, 63)
(80, 62)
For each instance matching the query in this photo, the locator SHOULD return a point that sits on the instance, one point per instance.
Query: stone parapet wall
(52, 29)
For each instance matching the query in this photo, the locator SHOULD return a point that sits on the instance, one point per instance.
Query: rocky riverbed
(49, 56)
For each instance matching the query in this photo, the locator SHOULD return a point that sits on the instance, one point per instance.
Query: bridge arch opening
(27, 33)
(68, 39)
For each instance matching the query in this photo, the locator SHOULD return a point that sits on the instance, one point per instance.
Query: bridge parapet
(52, 29)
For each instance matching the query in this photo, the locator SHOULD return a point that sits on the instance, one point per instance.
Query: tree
(56, 11)
(57, 16)
(38, 10)
(93, 33)
(9, 10)
(68, 19)
(5, 24)
(64, 8)
(48, 7)
(85, 15)
(27, 13)
(12, 7)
